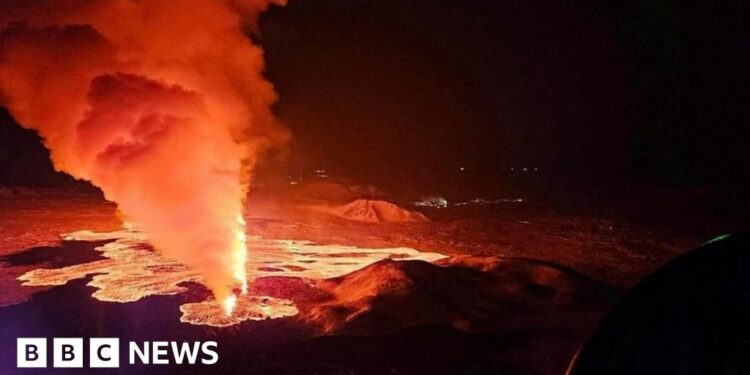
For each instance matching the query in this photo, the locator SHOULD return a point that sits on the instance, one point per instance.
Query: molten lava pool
(131, 271)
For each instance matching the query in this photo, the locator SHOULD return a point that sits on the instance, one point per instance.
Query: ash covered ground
(524, 280)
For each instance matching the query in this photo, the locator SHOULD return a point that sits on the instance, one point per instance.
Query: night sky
(413, 90)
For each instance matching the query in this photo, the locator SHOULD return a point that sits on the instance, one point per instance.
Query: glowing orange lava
(239, 255)
(229, 303)
(131, 271)
(244, 308)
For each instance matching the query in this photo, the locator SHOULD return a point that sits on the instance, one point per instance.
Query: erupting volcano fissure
(131, 271)
(162, 105)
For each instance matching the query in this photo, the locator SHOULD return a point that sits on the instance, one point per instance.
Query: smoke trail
(160, 103)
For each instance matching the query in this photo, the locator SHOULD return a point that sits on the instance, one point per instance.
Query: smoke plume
(162, 104)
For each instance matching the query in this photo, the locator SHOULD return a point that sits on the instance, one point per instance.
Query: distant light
(525, 169)
(482, 201)
(432, 201)
(718, 238)
(462, 168)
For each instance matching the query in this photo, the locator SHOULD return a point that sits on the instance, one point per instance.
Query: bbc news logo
(105, 352)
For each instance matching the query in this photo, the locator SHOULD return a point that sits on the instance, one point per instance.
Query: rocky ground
(526, 280)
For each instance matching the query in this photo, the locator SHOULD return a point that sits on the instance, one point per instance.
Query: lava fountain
(163, 107)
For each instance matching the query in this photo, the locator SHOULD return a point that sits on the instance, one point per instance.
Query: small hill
(373, 211)
(469, 293)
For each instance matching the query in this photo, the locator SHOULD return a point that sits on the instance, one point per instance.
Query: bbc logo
(67, 352)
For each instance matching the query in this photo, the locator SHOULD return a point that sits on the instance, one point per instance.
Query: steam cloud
(160, 103)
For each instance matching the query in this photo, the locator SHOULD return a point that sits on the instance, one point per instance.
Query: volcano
(373, 187)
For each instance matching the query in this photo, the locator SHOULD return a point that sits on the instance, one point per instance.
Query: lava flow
(132, 271)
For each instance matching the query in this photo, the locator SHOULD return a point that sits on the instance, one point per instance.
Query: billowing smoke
(160, 103)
